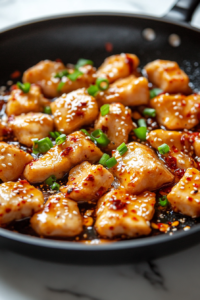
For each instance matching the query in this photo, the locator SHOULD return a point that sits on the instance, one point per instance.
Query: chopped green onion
(102, 83)
(163, 149)
(105, 109)
(73, 76)
(122, 149)
(163, 201)
(55, 186)
(141, 132)
(149, 112)
(87, 133)
(155, 92)
(93, 90)
(54, 134)
(142, 123)
(49, 181)
(104, 159)
(61, 74)
(47, 110)
(42, 146)
(100, 137)
(25, 87)
(61, 139)
(82, 62)
(60, 86)
(111, 162)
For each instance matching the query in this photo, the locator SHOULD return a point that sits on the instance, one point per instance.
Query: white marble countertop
(174, 277)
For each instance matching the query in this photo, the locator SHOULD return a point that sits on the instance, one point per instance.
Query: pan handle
(182, 11)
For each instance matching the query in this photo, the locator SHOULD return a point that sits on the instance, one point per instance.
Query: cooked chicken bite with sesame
(61, 158)
(19, 200)
(177, 111)
(119, 213)
(20, 102)
(117, 125)
(118, 66)
(139, 169)
(12, 162)
(46, 75)
(87, 182)
(60, 217)
(185, 195)
(30, 126)
(130, 91)
(74, 110)
(168, 76)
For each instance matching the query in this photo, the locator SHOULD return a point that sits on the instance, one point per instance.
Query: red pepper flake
(171, 162)
(8, 210)
(104, 129)
(100, 192)
(15, 74)
(90, 177)
(179, 172)
(174, 149)
(73, 139)
(80, 113)
(190, 199)
(188, 178)
(117, 204)
(109, 47)
(58, 60)
(66, 151)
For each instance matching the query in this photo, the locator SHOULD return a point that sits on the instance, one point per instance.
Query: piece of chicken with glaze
(60, 217)
(119, 213)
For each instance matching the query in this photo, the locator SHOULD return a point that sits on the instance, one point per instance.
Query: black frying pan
(85, 35)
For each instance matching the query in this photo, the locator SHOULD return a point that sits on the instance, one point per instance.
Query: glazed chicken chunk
(130, 91)
(61, 158)
(177, 112)
(118, 66)
(139, 169)
(185, 195)
(168, 76)
(87, 182)
(44, 74)
(74, 110)
(12, 162)
(19, 200)
(20, 102)
(60, 217)
(119, 213)
(30, 126)
(117, 125)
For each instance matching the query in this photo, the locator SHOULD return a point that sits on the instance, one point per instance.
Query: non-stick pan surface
(69, 38)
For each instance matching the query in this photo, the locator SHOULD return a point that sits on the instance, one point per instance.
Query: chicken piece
(118, 66)
(20, 102)
(120, 213)
(60, 217)
(177, 112)
(185, 195)
(139, 169)
(87, 182)
(129, 91)
(12, 162)
(44, 73)
(19, 200)
(183, 161)
(74, 110)
(61, 158)
(117, 125)
(30, 126)
(168, 76)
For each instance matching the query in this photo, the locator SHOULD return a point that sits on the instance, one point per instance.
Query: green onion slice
(104, 159)
(149, 112)
(102, 83)
(93, 90)
(55, 186)
(47, 110)
(87, 133)
(105, 109)
(61, 139)
(122, 149)
(100, 137)
(163, 149)
(111, 162)
(155, 92)
(42, 146)
(25, 87)
(49, 181)
(163, 201)
(54, 134)
(61, 74)
(141, 132)
(142, 123)
(60, 86)
(74, 76)
(82, 62)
